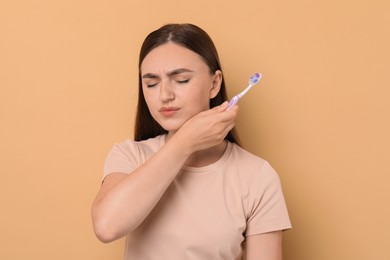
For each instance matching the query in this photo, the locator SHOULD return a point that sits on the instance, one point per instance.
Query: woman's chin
(171, 125)
(171, 128)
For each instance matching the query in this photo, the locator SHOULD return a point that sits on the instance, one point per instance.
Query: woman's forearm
(126, 200)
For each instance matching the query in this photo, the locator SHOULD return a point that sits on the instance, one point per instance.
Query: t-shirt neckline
(208, 168)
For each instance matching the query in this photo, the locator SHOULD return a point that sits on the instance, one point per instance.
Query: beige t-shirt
(206, 212)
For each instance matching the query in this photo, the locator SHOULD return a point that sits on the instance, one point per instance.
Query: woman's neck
(204, 157)
(208, 156)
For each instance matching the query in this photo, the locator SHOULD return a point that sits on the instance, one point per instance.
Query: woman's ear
(216, 84)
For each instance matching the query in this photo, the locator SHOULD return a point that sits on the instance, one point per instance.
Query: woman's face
(177, 85)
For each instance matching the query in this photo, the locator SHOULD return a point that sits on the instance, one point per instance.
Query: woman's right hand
(208, 128)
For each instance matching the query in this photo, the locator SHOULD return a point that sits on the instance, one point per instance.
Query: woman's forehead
(171, 56)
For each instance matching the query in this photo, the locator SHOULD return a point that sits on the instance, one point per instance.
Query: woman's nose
(166, 92)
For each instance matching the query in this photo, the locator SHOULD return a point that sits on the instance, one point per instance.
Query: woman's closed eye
(183, 81)
(154, 82)
(150, 83)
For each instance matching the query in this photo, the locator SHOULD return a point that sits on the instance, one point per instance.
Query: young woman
(185, 189)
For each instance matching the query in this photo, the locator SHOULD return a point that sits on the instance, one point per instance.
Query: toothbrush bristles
(255, 78)
(252, 81)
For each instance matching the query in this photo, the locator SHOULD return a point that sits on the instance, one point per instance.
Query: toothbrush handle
(232, 102)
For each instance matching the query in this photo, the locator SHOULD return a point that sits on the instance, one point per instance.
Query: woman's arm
(125, 200)
(267, 246)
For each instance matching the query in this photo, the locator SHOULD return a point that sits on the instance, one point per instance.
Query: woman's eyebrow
(169, 74)
(178, 71)
(150, 76)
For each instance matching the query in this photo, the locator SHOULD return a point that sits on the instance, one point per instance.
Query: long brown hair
(193, 38)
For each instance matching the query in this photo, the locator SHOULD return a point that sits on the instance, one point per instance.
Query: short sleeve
(267, 207)
(122, 158)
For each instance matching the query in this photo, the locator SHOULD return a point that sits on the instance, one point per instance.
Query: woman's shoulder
(127, 155)
(136, 151)
(252, 164)
(243, 156)
(131, 146)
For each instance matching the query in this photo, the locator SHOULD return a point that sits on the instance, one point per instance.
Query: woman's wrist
(181, 144)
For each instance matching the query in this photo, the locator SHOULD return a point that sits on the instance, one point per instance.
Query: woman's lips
(168, 111)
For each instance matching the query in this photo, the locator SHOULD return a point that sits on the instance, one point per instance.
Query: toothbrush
(252, 81)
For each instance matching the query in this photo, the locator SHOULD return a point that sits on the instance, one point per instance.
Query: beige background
(321, 116)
